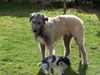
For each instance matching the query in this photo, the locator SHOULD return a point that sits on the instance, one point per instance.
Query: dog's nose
(35, 31)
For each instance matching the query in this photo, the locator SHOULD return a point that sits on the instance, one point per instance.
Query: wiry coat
(62, 25)
(66, 26)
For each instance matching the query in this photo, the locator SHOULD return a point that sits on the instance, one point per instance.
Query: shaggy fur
(47, 65)
(47, 31)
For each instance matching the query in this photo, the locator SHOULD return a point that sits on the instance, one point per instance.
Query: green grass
(19, 52)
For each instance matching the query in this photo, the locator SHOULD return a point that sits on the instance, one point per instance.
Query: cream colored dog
(47, 31)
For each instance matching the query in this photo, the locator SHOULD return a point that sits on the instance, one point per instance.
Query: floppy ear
(46, 18)
(68, 61)
(31, 16)
(39, 64)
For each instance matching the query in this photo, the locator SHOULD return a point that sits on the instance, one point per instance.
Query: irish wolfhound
(47, 31)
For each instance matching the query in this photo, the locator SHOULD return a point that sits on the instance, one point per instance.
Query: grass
(19, 52)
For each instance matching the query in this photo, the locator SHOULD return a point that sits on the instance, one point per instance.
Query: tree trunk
(64, 7)
(45, 2)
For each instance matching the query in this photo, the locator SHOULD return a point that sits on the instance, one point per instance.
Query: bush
(17, 1)
(87, 1)
(3, 0)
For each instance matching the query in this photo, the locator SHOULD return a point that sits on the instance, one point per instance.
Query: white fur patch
(41, 40)
(44, 67)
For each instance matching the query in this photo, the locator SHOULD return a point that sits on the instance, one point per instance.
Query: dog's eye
(39, 22)
(34, 21)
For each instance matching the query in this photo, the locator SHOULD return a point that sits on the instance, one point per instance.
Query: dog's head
(38, 21)
(44, 65)
(48, 63)
(63, 61)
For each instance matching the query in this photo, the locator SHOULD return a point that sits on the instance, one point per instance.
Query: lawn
(19, 52)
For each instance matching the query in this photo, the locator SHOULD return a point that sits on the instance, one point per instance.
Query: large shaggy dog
(47, 31)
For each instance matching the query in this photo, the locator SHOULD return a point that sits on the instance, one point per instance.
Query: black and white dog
(50, 62)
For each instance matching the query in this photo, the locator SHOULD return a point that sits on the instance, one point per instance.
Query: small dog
(62, 63)
(50, 62)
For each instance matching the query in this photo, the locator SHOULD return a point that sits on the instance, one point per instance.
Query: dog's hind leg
(67, 39)
(80, 42)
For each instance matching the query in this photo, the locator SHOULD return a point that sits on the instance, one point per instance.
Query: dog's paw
(52, 70)
(84, 63)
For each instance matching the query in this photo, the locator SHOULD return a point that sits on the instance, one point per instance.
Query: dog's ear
(45, 18)
(31, 16)
(68, 61)
(39, 64)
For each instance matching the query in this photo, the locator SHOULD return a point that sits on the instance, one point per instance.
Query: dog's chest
(41, 39)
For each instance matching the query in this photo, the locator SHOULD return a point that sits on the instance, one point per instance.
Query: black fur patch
(53, 57)
(45, 61)
(63, 59)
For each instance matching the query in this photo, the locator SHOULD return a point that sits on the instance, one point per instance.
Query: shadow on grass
(82, 70)
(98, 34)
(69, 71)
(40, 72)
(21, 10)
(89, 10)
(24, 9)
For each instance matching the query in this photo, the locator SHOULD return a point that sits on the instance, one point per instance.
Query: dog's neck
(43, 33)
(43, 36)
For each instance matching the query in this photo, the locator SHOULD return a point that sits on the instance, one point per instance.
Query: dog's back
(65, 24)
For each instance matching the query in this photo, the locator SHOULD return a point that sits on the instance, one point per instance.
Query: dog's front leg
(60, 70)
(42, 49)
(51, 50)
(50, 71)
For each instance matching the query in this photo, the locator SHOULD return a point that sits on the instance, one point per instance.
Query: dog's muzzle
(35, 31)
(38, 31)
